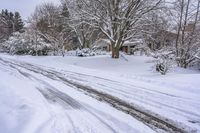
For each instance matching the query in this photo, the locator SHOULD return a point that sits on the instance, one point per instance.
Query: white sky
(25, 7)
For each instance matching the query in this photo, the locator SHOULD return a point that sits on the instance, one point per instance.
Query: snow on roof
(133, 42)
(106, 42)
(102, 43)
(173, 31)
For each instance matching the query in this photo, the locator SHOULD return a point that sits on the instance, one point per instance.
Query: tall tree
(48, 21)
(9, 23)
(116, 19)
(187, 15)
(83, 32)
(18, 23)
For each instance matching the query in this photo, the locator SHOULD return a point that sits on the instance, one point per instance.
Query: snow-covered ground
(30, 103)
(175, 96)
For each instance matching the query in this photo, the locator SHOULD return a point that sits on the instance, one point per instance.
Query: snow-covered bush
(23, 43)
(83, 52)
(162, 66)
(164, 61)
(86, 52)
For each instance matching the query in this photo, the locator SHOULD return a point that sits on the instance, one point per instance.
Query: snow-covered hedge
(24, 43)
(85, 52)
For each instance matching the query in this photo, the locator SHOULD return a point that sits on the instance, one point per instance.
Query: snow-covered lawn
(175, 96)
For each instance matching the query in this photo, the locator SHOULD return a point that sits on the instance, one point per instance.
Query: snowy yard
(100, 66)
(30, 102)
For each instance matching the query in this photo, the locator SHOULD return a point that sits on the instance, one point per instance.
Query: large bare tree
(116, 19)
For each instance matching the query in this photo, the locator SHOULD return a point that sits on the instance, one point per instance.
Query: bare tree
(156, 30)
(116, 19)
(84, 32)
(187, 41)
(47, 21)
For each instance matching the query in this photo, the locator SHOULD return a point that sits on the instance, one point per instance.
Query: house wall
(104, 45)
(161, 39)
(125, 49)
(109, 48)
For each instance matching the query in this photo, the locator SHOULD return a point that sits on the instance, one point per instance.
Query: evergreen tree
(2, 13)
(18, 23)
(65, 11)
(6, 13)
(65, 17)
(10, 22)
(11, 16)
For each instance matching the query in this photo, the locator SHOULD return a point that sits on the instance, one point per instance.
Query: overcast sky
(25, 7)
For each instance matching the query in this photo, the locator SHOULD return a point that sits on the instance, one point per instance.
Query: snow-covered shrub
(23, 44)
(164, 61)
(162, 66)
(85, 52)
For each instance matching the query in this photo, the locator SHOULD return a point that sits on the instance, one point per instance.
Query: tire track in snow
(189, 115)
(154, 121)
(55, 96)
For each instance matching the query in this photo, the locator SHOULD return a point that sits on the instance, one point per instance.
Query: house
(191, 25)
(165, 38)
(129, 46)
(105, 45)
(102, 44)
(161, 39)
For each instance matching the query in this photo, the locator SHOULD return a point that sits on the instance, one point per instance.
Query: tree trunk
(179, 28)
(115, 52)
(63, 51)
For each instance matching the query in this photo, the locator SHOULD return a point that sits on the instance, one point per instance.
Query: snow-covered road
(31, 102)
(178, 107)
(176, 104)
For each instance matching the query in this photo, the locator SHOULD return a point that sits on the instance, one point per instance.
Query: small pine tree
(11, 22)
(2, 13)
(11, 16)
(65, 11)
(18, 22)
(6, 13)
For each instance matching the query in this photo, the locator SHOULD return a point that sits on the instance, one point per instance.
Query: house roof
(106, 42)
(102, 43)
(133, 42)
